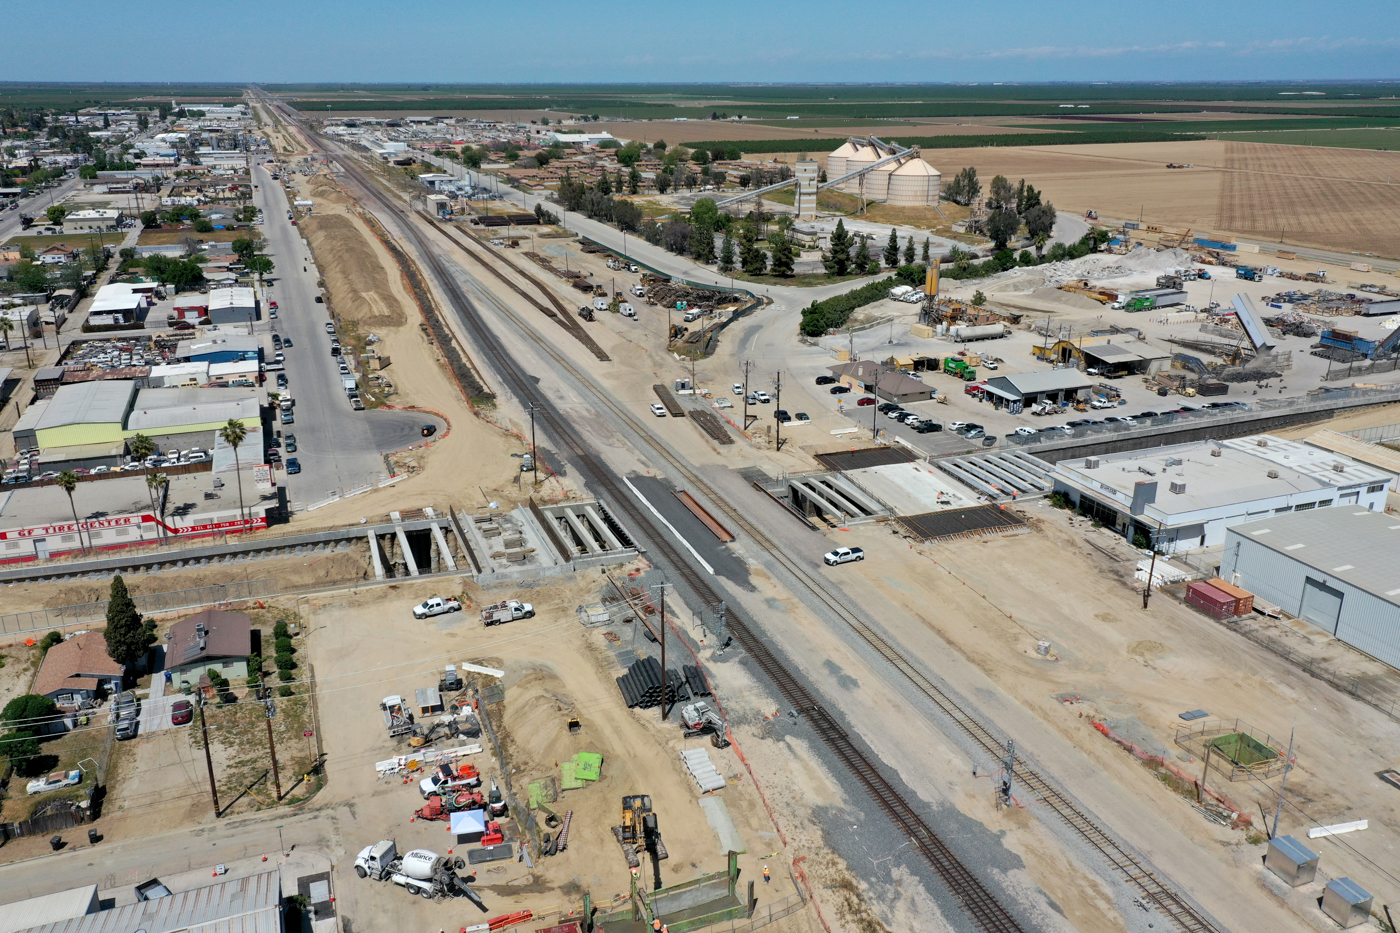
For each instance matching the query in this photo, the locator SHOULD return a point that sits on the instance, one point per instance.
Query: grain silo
(913, 184)
(836, 162)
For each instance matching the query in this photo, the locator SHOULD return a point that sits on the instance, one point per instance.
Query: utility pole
(534, 457)
(747, 364)
(777, 405)
(1287, 767)
(875, 409)
(1008, 774)
(208, 758)
(663, 587)
(1147, 590)
(272, 749)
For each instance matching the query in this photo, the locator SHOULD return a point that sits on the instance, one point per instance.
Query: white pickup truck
(436, 606)
(508, 611)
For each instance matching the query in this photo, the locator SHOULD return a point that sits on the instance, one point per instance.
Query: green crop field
(64, 96)
(1378, 138)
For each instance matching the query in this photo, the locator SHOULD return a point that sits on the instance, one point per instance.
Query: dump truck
(1248, 273)
(960, 368)
(397, 719)
(1135, 303)
(420, 871)
(508, 611)
(436, 606)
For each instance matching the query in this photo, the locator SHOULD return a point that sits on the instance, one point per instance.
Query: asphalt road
(34, 207)
(338, 448)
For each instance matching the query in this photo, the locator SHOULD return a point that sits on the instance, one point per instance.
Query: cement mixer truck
(421, 872)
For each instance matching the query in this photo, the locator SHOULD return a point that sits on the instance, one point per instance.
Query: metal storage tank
(863, 155)
(877, 183)
(836, 162)
(914, 184)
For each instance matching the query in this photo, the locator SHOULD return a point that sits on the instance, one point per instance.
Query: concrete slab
(717, 815)
(912, 488)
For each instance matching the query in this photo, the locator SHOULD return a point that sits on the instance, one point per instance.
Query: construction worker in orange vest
(656, 924)
(766, 877)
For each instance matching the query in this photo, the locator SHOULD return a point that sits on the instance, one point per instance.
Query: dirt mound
(324, 189)
(537, 714)
(359, 284)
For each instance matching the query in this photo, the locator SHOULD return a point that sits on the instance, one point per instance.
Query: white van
(627, 311)
(600, 304)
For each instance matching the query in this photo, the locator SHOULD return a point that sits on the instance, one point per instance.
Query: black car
(840, 390)
(886, 407)
(335, 349)
(274, 442)
(928, 427)
(273, 456)
(286, 341)
(1146, 414)
(428, 430)
(782, 416)
(826, 380)
(320, 300)
(281, 380)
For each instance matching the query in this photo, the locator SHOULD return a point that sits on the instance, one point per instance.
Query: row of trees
(1008, 207)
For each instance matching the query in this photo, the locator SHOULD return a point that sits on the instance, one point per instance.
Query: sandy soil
(1137, 671)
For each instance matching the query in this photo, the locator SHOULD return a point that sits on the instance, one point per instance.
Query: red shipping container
(1244, 600)
(1210, 600)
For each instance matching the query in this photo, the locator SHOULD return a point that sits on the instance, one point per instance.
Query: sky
(277, 41)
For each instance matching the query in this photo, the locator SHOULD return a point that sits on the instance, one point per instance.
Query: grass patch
(163, 237)
(835, 202)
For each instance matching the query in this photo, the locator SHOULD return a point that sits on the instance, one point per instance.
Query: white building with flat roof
(91, 221)
(1185, 496)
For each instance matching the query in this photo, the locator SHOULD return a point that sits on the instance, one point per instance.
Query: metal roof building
(84, 413)
(190, 410)
(233, 306)
(1337, 568)
(242, 905)
(61, 905)
(1046, 385)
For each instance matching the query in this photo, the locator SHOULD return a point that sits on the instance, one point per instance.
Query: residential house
(74, 672)
(213, 638)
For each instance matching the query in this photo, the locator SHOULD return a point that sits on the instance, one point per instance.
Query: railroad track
(981, 906)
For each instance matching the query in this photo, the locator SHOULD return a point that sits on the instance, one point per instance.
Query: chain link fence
(45, 620)
(1337, 371)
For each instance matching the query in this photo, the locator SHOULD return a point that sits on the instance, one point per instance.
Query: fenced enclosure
(44, 620)
(1233, 748)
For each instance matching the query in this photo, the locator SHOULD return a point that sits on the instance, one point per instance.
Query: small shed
(1346, 902)
(428, 700)
(1291, 860)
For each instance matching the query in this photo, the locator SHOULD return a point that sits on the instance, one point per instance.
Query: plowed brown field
(1343, 199)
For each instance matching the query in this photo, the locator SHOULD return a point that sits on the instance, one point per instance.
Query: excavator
(639, 830)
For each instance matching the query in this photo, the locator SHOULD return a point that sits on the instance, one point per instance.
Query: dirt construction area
(368, 647)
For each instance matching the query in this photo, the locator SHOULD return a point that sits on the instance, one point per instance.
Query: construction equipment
(956, 367)
(700, 719)
(444, 780)
(639, 831)
(496, 801)
(397, 719)
(442, 806)
(507, 611)
(419, 736)
(1248, 273)
(420, 871)
(1088, 290)
(450, 682)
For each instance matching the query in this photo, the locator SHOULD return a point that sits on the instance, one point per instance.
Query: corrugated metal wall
(1367, 622)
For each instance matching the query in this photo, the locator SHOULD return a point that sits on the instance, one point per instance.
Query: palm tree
(140, 447)
(68, 481)
(155, 487)
(234, 434)
(1041, 239)
(6, 325)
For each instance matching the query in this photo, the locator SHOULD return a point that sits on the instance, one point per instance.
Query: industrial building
(118, 303)
(79, 414)
(1335, 568)
(886, 383)
(1185, 496)
(185, 417)
(233, 306)
(906, 180)
(218, 348)
(92, 221)
(252, 904)
(1019, 390)
(1351, 476)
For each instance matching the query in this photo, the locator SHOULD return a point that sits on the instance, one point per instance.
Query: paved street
(35, 207)
(339, 448)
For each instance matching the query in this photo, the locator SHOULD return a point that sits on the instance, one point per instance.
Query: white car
(763, 397)
(989, 364)
(54, 781)
(956, 425)
(658, 410)
(843, 555)
(1026, 432)
(738, 388)
(1102, 403)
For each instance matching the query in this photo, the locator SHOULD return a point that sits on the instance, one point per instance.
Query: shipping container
(1244, 600)
(1210, 600)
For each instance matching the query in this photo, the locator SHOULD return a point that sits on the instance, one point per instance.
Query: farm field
(1377, 138)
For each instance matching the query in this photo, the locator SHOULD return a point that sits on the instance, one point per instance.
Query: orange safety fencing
(1241, 819)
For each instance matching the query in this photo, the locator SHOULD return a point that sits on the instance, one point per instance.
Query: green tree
(838, 261)
(978, 299)
(1040, 219)
(260, 266)
(22, 748)
(471, 157)
(702, 241)
(726, 254)
(752, 259)
(68, 482)
(862, 261)
(204, 225)
(51, 639)
(634, 180)
(1040, 239)
(784, 256)
(909, 251)
(244, 248)
(663, 182)
(233, 434)
(28, 710)
(891, 255)
(1002, 226)
(604, 183)
(1001, 195)
(57, 213)
(129, 636)
(926, 259)
(629, 155)
(705, 211)
(155, 488)
(140, 447)
(150, 218)
(6, 325)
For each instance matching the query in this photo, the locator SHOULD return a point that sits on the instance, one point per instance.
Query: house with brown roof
(213, 638)
(75, 671)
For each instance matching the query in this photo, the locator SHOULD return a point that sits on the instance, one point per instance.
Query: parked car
(54, 781)
(330, 327)
(864, 402)
(287, 418)
(658, 410)
(763, 397)
(929, 427)
(181, 712)
(839, 390)
(975, 432)
(782, 416)
(895, 414)
(293, 465)
(1099, 402)
(738, 388)
(291, 443)
(957, 425)
(826, 380)
(843, 555)
(1025, 431)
